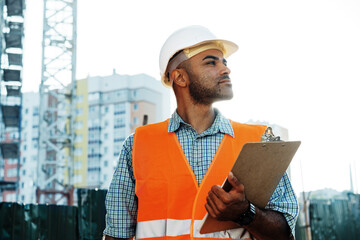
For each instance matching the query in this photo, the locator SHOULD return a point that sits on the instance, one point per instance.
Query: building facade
(29, 147)
(108, 109)
(11, 53)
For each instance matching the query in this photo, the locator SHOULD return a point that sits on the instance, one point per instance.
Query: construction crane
(56, 110)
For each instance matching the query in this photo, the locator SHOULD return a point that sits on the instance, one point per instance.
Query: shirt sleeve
(284, 200)
(121, 201)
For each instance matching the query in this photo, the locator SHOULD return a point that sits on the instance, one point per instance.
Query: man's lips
(224, 79)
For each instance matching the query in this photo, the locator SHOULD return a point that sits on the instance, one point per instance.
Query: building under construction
(11, 50)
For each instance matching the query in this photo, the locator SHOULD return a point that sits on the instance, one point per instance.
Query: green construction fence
(329, 219)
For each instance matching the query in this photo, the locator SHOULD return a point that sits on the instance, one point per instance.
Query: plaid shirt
(199, 149)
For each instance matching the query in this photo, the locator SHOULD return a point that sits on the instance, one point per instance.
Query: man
(169, 173)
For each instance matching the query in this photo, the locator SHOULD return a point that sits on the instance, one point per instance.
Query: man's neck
(200, 117)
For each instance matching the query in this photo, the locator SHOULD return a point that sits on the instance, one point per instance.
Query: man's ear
(179, 77)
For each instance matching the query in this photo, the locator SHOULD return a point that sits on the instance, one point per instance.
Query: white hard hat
(188, 38)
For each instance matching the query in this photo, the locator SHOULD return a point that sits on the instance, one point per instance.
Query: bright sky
(298, 66)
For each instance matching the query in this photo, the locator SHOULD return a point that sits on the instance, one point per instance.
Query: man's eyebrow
(214, 58)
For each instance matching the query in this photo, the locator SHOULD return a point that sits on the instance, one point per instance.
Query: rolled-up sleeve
(284, 200)
(121, 201)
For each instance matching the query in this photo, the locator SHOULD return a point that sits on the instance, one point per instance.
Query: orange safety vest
(171, 205)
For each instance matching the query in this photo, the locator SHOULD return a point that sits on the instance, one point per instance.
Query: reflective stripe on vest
(170, 202)
(173, 228)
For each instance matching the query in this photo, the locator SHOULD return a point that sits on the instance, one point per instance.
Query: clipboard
(259, 166)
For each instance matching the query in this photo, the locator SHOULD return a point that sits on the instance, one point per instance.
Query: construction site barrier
(91, 213)
(328, 219)
(33, 221)
(335, 219)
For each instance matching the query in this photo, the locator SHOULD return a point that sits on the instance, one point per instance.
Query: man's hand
(227, 206)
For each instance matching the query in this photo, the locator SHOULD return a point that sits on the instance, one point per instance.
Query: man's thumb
(235, 183)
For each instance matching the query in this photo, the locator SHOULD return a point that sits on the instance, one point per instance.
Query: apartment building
(29, 147)
(11, 55)
(108, 109)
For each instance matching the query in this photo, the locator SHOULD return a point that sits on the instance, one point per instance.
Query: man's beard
(203, 95)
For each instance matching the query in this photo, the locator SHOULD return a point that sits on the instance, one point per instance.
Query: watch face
(247, 217)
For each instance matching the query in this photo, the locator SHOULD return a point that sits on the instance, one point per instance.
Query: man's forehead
(210, 52)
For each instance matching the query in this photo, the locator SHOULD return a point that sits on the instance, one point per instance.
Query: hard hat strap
(174, 63)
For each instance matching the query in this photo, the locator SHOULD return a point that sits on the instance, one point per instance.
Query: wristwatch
(247, 217)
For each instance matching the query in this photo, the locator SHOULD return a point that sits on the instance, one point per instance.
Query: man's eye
(211, 63)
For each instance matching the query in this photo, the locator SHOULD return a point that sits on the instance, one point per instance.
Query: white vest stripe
(173, 227)
(163, 227)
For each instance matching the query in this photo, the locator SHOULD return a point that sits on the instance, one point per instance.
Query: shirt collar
(220, 124)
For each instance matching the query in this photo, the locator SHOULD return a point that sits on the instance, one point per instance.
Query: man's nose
(225, 69)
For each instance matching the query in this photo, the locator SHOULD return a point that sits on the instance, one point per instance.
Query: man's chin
(224, 97)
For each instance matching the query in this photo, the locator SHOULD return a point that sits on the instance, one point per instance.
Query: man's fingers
(214, 202)
(210, 210)
(221, 196)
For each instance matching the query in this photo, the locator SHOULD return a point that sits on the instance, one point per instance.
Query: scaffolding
(11, 51)
(56, 112)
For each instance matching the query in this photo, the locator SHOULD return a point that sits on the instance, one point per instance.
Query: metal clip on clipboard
(269, 136)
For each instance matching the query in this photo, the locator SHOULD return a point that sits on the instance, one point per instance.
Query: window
(105, 150)
(119, 122)
(78, 138)
(26, 111)
(77, 179)
(10, 197)
(94, 96)
(12, 161)
(78, 151)
(79, 111)
(78, 164)
(136, 106)
(79, 125)
(106, 136)
(107, 96)
(24, 159)
(119, 133)
(136, 120)
(119, 108)
(12, 172)
(93, 109)
(79, 99)
(105, 163)
(23, 172)
(121, 94)
(36, 111)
